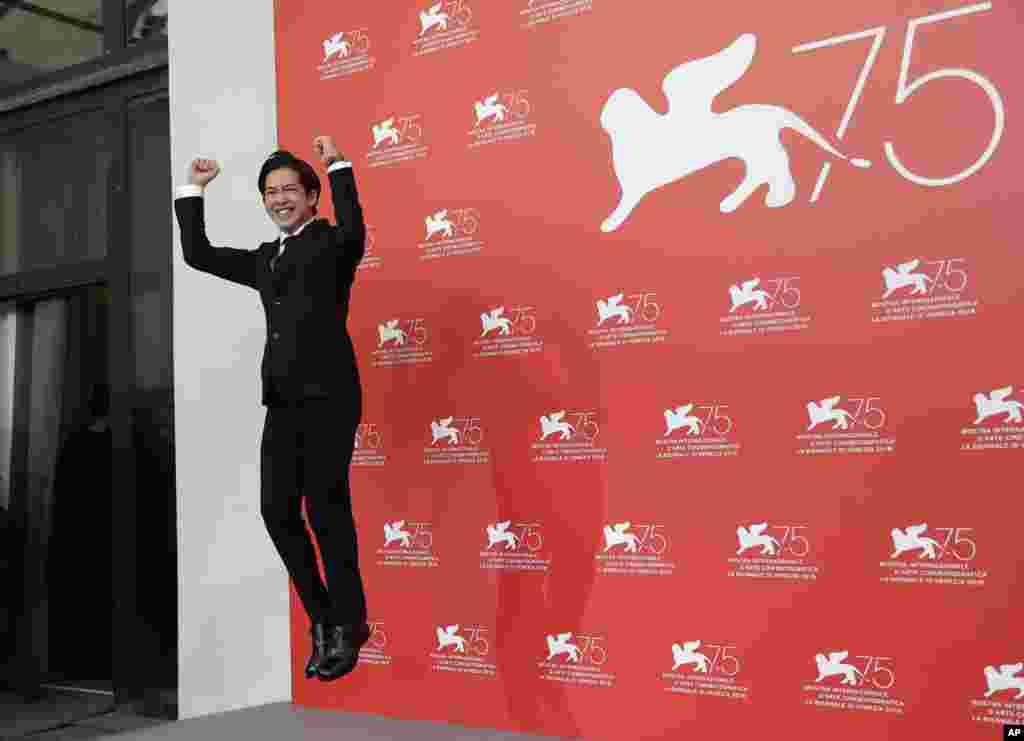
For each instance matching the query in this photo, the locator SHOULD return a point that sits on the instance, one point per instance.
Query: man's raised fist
(202, 171)
(326, 150)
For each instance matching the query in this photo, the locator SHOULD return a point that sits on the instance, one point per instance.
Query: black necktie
(275, 258)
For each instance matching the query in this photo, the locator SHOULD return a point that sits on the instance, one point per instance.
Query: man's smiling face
(288, 204)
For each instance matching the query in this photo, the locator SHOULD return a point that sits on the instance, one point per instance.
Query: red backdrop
(881, 523)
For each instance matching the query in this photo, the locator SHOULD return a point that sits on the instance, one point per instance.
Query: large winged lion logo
(650, 149)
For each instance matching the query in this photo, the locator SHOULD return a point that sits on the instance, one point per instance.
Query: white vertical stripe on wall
(233, 598)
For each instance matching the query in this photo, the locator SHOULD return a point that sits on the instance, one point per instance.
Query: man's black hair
(307, 175)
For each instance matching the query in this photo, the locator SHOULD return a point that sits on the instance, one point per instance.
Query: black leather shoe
(342, 651)
(319, 633)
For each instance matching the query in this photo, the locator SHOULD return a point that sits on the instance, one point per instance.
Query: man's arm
(238, 266)
(348, 212)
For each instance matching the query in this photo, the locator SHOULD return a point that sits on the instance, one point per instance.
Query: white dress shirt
(188, 191)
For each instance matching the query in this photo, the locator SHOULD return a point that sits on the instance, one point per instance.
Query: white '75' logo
(905, 90)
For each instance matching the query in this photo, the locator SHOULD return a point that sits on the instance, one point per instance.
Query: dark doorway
(87, 492)
(55, 466)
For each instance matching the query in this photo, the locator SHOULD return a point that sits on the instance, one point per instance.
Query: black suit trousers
(306, 451)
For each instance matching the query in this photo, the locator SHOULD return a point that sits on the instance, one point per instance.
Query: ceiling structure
(40, 36)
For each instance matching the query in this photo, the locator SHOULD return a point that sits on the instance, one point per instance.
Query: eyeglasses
(289, 189)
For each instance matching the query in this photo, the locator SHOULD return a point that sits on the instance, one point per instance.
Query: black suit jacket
(309, 353)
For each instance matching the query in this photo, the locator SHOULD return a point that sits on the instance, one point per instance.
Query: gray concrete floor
(65, 715)
(280, 721)
(84, 719)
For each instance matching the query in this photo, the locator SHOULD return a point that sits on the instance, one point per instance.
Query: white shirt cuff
(186, 191)
(339, 165)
